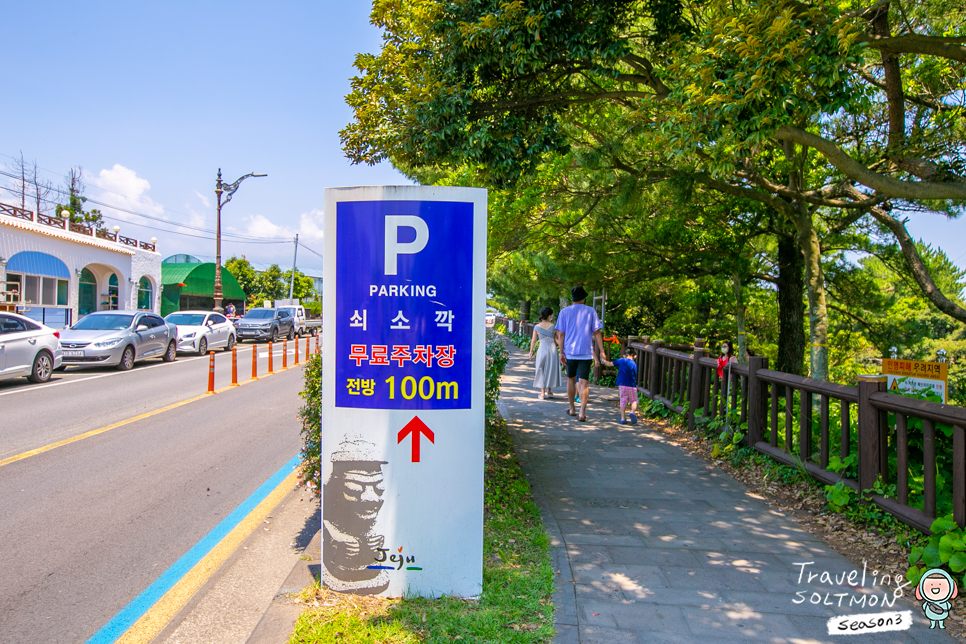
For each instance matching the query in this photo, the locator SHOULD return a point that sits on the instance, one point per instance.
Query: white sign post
(403, 364)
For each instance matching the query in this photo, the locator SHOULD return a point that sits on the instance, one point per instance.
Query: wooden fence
(871, 428)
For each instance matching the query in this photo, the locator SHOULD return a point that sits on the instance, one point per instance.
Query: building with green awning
(192, 287)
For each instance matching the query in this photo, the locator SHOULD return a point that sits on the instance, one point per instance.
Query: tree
(777, 103)
(29, 184)
(75, 202)
(243, 272)
(303, 287)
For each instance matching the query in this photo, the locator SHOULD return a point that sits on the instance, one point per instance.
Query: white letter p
(393, 246)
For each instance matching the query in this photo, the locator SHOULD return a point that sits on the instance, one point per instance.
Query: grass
(514, 606)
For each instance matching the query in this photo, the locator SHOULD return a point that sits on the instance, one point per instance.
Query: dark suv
(265, 324)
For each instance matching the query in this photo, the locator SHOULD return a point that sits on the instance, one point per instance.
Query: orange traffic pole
(285, 353)
(270, 358)
(297, 349)
(211, 373)
(307, 340)
(234, 367)
(254, 362)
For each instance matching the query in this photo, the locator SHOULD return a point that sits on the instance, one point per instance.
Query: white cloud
(309, 229)
(122, 188)
(203, 198)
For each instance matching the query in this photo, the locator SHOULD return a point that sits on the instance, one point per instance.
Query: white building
(56, 272)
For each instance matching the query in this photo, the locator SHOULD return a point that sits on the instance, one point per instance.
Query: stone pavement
(655, 545)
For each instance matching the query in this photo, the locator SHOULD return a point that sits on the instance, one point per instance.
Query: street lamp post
(226, 189)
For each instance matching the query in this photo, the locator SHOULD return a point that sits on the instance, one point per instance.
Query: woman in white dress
(542, 346)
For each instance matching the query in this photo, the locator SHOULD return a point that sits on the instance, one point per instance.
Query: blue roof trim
(33, 263)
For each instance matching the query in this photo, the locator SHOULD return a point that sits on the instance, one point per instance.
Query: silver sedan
(119, 338)
(27, 348)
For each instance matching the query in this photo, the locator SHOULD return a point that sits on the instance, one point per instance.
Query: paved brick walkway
(654, 545)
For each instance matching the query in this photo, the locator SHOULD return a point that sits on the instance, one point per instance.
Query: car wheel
(274, 337)
(231, 342)
(127, 359)
(202, 347)
(291, 333)
(42, 368)
(171, 353)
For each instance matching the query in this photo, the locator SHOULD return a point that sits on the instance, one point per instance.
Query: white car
(201, 331)
(28, 348)
(490, 319)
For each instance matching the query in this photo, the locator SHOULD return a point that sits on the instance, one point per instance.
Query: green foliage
(838, 496)
(635, 147)
(310, 416)
(946, 548)
(244, 273)
(75, 203)
(496, 359)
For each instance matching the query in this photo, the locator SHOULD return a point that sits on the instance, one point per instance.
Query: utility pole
(291, 283)
(228, 190)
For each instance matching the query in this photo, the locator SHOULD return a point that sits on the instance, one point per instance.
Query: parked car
(265, 324)
(199, 331)
(303, 325)
(27, 348)
(119, 338)
(490, 319)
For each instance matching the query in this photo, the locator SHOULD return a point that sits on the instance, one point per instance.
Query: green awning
(199, 280)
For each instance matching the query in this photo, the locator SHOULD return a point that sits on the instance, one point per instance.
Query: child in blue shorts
(626, 384)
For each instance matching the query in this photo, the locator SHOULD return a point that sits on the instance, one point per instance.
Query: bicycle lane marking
(150, 612)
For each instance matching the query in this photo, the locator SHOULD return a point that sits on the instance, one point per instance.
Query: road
(88, 525)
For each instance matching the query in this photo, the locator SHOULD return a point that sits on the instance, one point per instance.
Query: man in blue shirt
(578, 334)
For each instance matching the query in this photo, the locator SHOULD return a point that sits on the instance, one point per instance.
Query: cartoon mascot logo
(936, 590)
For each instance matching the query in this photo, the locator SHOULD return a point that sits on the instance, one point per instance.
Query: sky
(151, 99)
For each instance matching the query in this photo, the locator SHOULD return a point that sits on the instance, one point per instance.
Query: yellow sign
(915, 369)
(916, 375)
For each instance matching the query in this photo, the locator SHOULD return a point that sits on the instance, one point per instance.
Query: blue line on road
(138, 606)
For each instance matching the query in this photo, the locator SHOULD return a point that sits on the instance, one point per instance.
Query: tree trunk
(791, 306)
(739, 317)
(815, 288)
(525, 310)
(801, 218)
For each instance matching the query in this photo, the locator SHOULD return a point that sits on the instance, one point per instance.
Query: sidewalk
(655, 545)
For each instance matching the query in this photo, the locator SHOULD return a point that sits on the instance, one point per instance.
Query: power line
(310, 250)
(64, 176)
(64, 193)
(159, 219)
(236, 237)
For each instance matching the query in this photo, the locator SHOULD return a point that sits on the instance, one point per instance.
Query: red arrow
(415, 427)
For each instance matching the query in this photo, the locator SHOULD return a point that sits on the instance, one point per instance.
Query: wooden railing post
(869, 466)
(959, 475)
(654, 378)
(756, 402)
(695, 401)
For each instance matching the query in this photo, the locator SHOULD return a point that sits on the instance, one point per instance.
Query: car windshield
(260, 314)
(186, 319)
(105, 322)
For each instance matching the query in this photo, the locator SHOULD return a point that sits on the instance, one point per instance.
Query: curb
(278, 622)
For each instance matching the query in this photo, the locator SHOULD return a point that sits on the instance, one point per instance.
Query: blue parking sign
(403, 328)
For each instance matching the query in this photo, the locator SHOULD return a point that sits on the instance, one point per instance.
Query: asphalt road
(87, 526)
